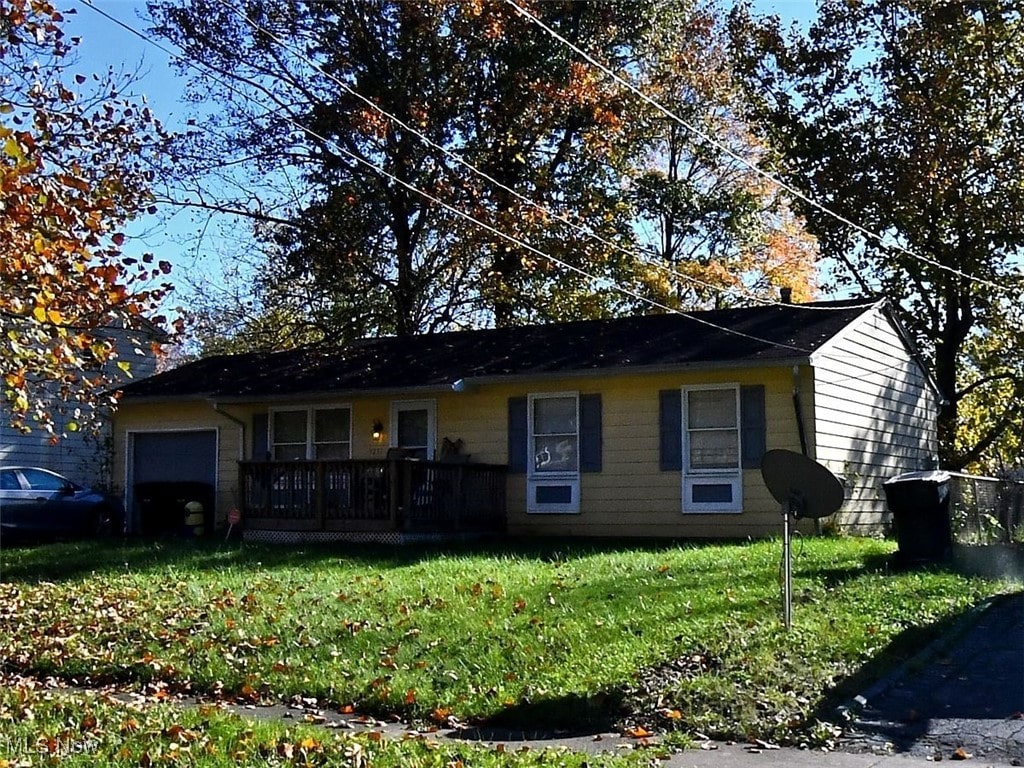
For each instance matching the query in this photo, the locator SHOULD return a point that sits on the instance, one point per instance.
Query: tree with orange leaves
(72, 173)
(713, 231)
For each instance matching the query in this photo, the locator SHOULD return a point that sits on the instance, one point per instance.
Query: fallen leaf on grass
(962, 754)
(639, 732)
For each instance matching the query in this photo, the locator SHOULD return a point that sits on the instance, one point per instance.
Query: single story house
(638, 426)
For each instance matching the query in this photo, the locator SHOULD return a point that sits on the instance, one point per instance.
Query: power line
(437, 201)
(764, 174)
(484, 175)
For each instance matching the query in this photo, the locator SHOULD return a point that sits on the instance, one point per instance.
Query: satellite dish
(808, 488)
(804, 488)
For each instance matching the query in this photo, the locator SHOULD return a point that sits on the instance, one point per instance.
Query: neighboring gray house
(80, 456)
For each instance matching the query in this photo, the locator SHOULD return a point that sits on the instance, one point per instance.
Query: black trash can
(919, 502)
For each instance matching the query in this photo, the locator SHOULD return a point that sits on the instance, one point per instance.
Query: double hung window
(311, 433)
(712, 480)
(554, 441)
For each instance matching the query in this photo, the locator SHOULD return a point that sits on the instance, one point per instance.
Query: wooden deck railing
(373, 495)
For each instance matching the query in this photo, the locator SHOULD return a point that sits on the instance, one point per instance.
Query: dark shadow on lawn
(879, 565)
(67, 561)
(565, 716)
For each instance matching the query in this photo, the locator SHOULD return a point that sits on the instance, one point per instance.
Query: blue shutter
(517, 437)
(260, 437)
(670, 422)
(590, 433)
(752, 419)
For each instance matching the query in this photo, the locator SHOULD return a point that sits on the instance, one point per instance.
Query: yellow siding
(629, 497)
(182, 416)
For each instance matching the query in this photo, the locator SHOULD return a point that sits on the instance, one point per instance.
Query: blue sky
(104, 44)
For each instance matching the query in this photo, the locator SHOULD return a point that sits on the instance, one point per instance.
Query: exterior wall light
(378, 431)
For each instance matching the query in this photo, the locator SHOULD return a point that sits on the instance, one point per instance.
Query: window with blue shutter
(590, 433)
(563, 439)
(517, 435)
(670, 417)
(753, 432)
(709, 434)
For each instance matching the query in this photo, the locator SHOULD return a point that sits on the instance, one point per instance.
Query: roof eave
(477, 381)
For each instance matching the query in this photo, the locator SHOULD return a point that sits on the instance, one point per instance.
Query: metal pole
(787, 572)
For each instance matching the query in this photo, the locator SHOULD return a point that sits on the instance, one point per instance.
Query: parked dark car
(38, 503)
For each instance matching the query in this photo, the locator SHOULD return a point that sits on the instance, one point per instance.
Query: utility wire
(764, 174)
(522, 198)
(437, 201)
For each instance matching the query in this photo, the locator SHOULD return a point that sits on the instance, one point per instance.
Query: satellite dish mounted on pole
(804, 488)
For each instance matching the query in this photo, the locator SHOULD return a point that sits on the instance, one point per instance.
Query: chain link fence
(986, 510)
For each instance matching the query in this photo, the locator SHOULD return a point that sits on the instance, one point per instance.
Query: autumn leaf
(62, 191)
(249, 693)
(637, 732)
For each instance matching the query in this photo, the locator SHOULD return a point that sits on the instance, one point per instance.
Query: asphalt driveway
(962, 697)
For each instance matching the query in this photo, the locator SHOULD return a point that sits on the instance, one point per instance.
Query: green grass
(521, 634)
(54, 727)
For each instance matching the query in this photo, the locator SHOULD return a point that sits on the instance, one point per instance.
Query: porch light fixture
(378, 431)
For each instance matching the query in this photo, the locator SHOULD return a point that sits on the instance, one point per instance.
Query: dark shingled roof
(760, 334)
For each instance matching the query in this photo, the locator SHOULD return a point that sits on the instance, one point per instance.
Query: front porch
(372, 497)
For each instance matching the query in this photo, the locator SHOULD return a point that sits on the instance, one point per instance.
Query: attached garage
(166, 472)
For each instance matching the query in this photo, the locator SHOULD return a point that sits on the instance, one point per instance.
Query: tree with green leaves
(906, 119)
(73, 172)
(534, 166)
(306, 91)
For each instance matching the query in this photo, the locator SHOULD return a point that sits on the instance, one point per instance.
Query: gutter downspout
(801, 429)
(241, 424)
(798, 410)
(241, 444)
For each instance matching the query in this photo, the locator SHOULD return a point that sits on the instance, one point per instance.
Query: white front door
(414, 427)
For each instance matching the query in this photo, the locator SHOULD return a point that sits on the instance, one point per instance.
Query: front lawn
(684, 637)
(43, 726)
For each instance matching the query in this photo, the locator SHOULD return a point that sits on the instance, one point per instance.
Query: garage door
(170, 470)
(175, 457)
